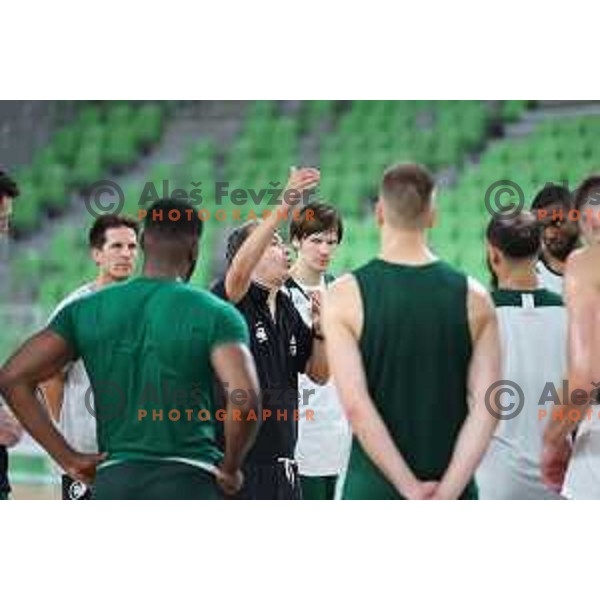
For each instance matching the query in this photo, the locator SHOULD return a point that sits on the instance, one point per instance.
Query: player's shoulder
(344, 296)
(343, 285)
(583, 258)
(477, 290)
(72, 298)
(582, 271)
(480, 304)
(547, 298)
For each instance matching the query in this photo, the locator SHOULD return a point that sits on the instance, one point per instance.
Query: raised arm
(38, 358)
(236, 371)
(484, 370)
(343, 315)
(239, 274)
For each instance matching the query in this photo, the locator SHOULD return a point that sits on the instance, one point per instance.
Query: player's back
(416, 348)
(146, 345)
(532, 326)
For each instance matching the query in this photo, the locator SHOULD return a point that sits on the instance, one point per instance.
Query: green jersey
(416, 348)
(146, 346)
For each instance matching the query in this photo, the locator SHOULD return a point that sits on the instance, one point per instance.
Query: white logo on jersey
(293, 346)
(261, 334)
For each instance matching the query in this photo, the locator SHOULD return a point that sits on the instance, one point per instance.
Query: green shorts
(318, 488)
(155, 480)
(4, 496)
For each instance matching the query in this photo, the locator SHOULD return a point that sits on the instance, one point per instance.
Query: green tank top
(416, 349)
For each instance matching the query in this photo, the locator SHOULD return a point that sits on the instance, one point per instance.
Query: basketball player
(409, 338)
(151, 347)
(113, 246)
(580, 411)
(529, 319)
(324, 438)
(559, 235)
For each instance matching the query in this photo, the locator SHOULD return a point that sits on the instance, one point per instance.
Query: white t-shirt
(77, 420)
(548, 279)
(533, 330)
(323, 442)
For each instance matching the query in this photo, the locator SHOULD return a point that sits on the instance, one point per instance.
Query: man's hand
(229, 482)
(555, 460)
(424, 490)
(82, 467)
(299, 180)
(315, 312)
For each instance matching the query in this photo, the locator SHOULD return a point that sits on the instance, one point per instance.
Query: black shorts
(277, 480)
(75, 490)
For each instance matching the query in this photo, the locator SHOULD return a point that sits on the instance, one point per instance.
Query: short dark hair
(237, 237)
(589, 188)
(323, 217)
(407, 190)
(97, 234)
(158, 221)
(8, 186)
(552, 194)
(518, 237)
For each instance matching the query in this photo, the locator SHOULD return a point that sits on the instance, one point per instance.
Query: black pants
(277, 480)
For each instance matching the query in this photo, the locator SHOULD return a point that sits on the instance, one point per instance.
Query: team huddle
(282, 382)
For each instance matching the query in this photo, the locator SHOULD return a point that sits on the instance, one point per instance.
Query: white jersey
(548, 279)
(533, 330)
(323, 442)
(77, 421)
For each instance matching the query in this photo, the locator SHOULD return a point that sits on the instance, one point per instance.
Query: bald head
(407, 195)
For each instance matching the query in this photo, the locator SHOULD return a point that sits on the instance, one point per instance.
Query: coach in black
(282, 346)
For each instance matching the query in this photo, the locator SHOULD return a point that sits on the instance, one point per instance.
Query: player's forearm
(241, 428)
(239, 439)
(473, 440)
(568, 414)
(35, 419)
(317, 367)
(377, 442)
